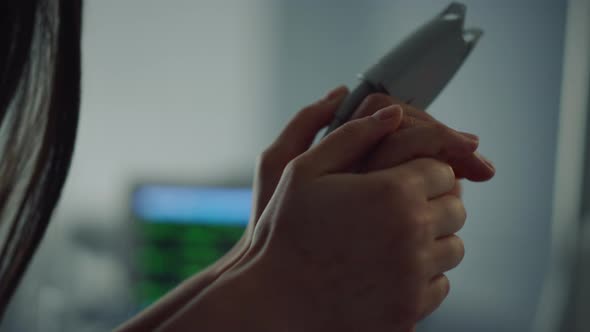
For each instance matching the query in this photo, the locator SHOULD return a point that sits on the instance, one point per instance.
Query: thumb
(303, 127)
(292, 141)
(353, 141)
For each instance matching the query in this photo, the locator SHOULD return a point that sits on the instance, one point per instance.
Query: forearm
(234, 302)
(152, 317)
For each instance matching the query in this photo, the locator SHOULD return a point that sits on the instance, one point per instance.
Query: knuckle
(447, 171)
(458, 209)
(432, 163)
(407, 183)
(450, 173)
(459, 248)
(415, 215)
(444, 168)
(439, 169)
(433, 299)
(267, 160)
(413, 181)
(296, 168)
(419, 223)
(455, 205)
(400, 188)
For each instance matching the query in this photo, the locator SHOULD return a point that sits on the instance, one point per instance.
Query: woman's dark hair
(39, 102)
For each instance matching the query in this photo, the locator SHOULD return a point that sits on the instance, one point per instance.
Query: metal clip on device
(419, 68)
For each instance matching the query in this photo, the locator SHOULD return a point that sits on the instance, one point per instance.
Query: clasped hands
(354, 233)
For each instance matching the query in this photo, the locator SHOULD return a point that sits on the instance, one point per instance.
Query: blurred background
(180, 96)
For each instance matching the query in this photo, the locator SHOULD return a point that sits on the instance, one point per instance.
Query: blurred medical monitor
(181, 230)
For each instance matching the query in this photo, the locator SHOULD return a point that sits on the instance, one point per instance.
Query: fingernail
(485, 161)
(387, 112)
(470, 136)
(336, 93)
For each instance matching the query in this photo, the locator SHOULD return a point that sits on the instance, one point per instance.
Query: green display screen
(181, 232)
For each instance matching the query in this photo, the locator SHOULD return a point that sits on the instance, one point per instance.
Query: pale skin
(371, 256)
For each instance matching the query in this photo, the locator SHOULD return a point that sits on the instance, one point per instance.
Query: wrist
(182, 295)
(236, 301)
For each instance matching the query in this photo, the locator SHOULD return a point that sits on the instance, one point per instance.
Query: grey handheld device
(419, 68)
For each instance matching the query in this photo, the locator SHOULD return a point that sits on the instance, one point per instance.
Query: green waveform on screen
(170, 253)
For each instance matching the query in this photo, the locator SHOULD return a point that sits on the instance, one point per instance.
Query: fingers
(448, 215)
(473, 167)
(417, 114)
(412, 116)
(372, 104)
(437, 291)
(302, 129)
(352, 142)
(458, 189)
(377, 101)
(293, 141)
(435, 141)
(424, 141)
(447, 253)
(424, 136)
(410, 111)
(434, 178)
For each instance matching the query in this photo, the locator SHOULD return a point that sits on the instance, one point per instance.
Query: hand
(266, 187)
(372, 254)
(295, 139)
(421, 135)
